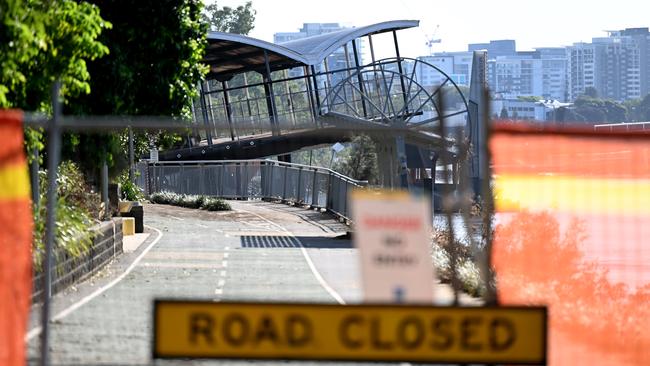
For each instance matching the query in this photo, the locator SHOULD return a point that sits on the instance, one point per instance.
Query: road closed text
(363, 332)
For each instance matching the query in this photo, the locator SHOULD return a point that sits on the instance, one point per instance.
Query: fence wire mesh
(572, 233)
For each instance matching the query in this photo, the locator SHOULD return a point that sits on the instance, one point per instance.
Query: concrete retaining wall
(107, 244)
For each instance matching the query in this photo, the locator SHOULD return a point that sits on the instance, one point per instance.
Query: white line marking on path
(176, 218)
(224, 264)
(221, 283)
(225, 255)
(310, 263)
(223, 273)
(36, 331)
(218, 291)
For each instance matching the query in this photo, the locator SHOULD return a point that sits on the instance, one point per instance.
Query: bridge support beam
(478, 101)
(270, 96)
(392, 162)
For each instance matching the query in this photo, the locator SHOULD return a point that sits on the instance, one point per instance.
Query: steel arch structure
(377, 93)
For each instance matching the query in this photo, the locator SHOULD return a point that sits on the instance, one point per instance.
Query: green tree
(42, 41)
(155, 61)
(643, 109)
(453, 97)
(529, 98)
(359, 161)
(154, 66)
(590, 109)
(591, 92)
(504, 113)
(239, 20)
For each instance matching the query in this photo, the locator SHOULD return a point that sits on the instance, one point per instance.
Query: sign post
(392, 233)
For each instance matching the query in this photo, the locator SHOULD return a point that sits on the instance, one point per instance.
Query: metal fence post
(202, 178)
(220, 179)
(246, 181)
(181, 179)
(53, 149)
(344, 211)
(238, 182)
(298, 188)
(272, 170)
(314, 190)
(284, 190)
(328, 197)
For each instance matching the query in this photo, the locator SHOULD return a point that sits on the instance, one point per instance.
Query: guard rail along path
(251, 179)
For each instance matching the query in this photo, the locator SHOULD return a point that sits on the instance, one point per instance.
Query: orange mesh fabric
(15, 240)
(573, 232)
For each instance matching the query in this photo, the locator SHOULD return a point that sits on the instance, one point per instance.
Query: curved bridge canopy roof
(228, 54)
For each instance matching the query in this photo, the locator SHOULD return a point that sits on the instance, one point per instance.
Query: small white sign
(338, 147)
(392, 233)
(153, 155)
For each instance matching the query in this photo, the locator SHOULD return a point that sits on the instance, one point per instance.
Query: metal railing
(251, 179)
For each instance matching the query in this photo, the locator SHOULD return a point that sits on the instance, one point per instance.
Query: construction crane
(431, 40)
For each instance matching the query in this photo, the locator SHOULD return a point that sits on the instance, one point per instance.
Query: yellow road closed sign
(185, 329)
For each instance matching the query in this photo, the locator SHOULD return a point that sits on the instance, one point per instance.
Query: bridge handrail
(251, 179)
(266, 161)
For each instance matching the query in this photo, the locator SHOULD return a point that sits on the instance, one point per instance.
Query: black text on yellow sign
(352, 332)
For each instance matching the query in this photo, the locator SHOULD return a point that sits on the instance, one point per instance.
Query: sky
(542, 23)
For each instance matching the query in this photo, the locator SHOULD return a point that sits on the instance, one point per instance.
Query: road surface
(258, 252)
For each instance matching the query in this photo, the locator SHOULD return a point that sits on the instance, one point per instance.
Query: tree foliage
(153, 69)
(591, 92)
(504, 113)
(239, 20)
(359, 161)
(155, 61)
(594, 110)
(640, 109)
(529, 98)
(42, 41)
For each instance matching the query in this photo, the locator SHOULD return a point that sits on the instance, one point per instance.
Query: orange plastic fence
(573, 232)
(15, 240)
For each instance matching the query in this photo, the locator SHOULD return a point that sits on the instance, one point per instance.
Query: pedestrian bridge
(262, 99)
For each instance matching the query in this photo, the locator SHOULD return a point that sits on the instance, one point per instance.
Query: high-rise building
(554, 72)
(457, 65)
(540, 73)
(616, 66)
(498, 48)
(642, 37)
(581, 58)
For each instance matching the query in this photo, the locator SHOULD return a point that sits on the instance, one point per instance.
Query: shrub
(190, 201)
(467, 271)
(215, 204)
(73, 187)
(129, 190)
(76, 207)
(163, 198)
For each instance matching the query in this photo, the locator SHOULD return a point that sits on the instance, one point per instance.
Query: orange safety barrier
(573, 232)
(15, 240)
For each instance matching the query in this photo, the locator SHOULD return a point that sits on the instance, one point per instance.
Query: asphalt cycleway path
(260, 251)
